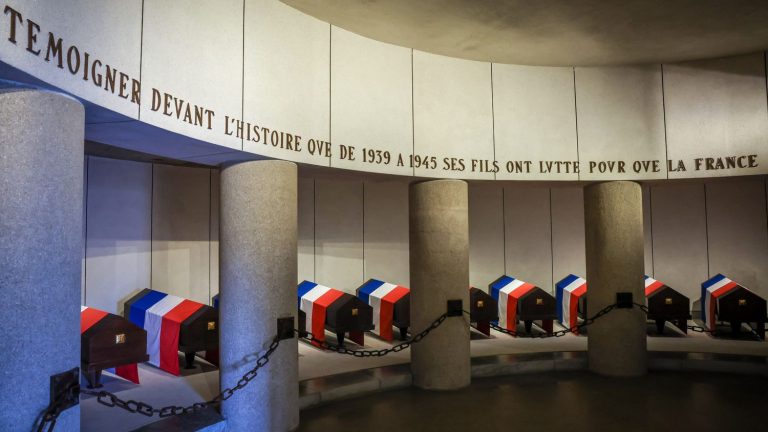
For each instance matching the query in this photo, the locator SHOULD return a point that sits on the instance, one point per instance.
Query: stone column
(613, 219)
(258, 253)
(439, 262)
(41, 250)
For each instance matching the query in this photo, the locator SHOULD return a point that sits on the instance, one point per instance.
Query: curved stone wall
(212, 82)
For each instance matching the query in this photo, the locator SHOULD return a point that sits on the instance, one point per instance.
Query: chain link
(560, 333)
(373, 353)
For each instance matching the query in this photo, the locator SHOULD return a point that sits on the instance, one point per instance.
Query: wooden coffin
(199, 332)
(571, 301)
(666, 304)
(111, 342)
(741, 305)
(401, 311)
(349, 314)
(531, 303)
(482, 310)
(537, 305)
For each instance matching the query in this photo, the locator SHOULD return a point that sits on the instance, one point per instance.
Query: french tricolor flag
(710, 291)
(507, 291)
(90, 317)
(568, 292)
(382, 296)
(161, 316)
(314, 300)
(652, 285)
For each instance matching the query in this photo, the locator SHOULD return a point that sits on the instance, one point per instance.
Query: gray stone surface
(613, 220)
(439, 265)
(41, 245)
(258, 256)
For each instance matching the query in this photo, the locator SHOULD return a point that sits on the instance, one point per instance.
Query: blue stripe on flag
(140, 306)
(367, 288)
(304, 288)
(704, 285)
(499, 284)
(559, 287)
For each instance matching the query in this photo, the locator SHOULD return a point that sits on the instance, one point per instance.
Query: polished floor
(563, 401)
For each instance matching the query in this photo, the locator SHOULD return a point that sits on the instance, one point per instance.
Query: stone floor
(559, 401)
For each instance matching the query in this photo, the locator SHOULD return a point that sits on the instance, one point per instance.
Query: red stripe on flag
(129, 372)
(514, 296)
(169, 334)
(713, 302)
(387, 310)
(650, 289)
(318, 312)
(575, 294)
(89, 317)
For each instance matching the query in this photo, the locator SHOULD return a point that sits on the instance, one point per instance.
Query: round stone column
(258, 265)
(41, 250)
(439, 262)
(613, 219)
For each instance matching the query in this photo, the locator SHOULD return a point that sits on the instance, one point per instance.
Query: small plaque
(668, 301)
(120, 338)
(480, 303)
(354, 312)
(742, 302)
(539, 301)
(211, 325)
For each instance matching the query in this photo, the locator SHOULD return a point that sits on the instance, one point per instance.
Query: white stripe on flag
(82, 308)
(504, 301)
(708, 320)
(719, 285)
(575, 284)
(307, 300)
(153, 321)
(374, 299)
(649, 281)
(567, 307)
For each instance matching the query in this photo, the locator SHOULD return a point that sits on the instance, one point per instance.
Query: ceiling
(556, 32)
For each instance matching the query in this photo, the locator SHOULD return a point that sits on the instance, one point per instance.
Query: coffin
(175, 324)
(725, 300)
(571, 299)
(333, 310)
(522, 301)
(391, 307)
(482, 310)
(110, 341)
(666, 304)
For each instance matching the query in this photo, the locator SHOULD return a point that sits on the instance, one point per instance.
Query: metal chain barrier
(560, 333)
(373, 353)
(700, 329)
(51, 413)
(111, 400)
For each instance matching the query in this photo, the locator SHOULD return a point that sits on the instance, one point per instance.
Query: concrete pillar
(613, 219)
(439, 261)
(258, 265)
(41, 250)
